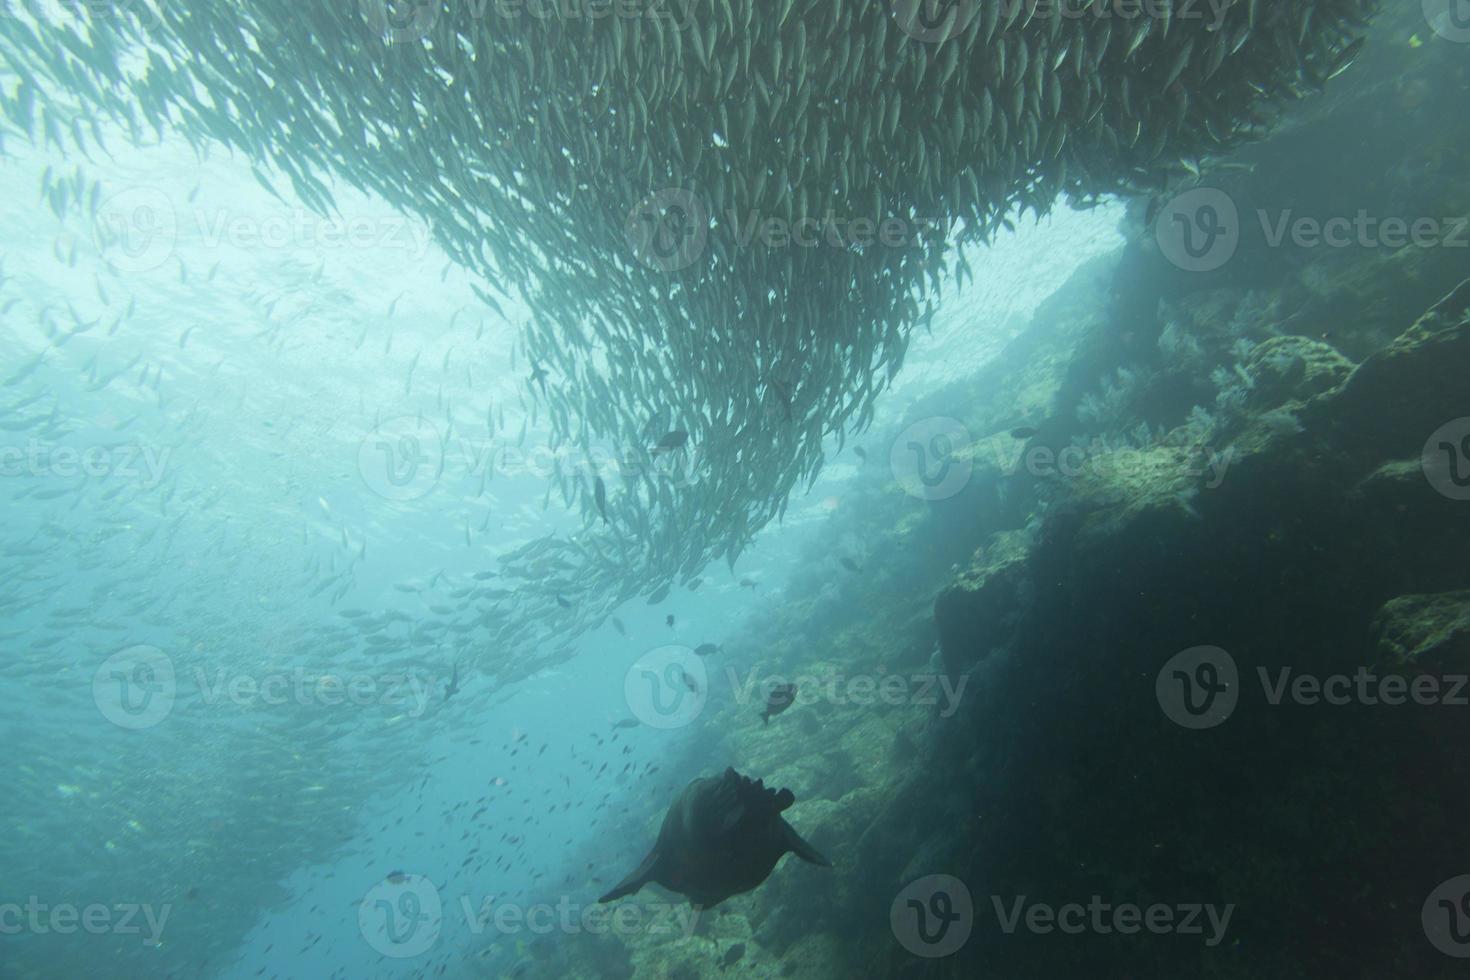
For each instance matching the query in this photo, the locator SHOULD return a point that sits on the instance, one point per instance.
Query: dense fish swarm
(614, 165)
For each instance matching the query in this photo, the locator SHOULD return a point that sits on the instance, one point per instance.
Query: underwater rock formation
(1286, 808)
(1428, 631)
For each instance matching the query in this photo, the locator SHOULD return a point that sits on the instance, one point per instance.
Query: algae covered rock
(1425, 630)
(1293, 368)
(1390, 403)
(977, 612)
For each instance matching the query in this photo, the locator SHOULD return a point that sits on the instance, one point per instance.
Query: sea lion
(721, 837)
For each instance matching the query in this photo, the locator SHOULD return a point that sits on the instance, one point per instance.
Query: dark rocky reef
(1319, 547)
(1322, 551)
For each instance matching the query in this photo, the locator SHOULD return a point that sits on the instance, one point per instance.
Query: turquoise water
(218, 383)
(348, 623)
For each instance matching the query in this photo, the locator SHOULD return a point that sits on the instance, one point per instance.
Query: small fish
(694, 585)
(782, 696)
(562, 601)
(1345, 60)
(860, 453)
(618, 625)
(748, 583)
(705, 649)
(850, 565)
(670, 620)
(599, 495)
(673, 441)
(1023, 432)
(732, 956)
(627, 723)
(1155, 205)
(453, 687)
(783, 392)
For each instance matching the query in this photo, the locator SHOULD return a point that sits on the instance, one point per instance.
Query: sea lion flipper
(796, 845)
(634, 881)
